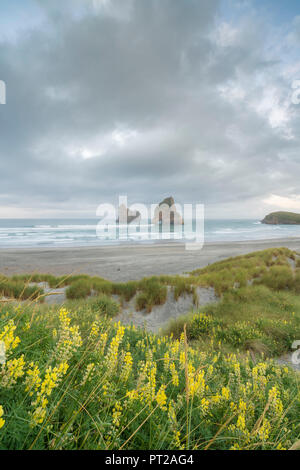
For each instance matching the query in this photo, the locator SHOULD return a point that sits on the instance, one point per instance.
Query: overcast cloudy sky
(149, 98)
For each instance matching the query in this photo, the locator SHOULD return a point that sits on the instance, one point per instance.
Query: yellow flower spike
(241, 422)
(2, 421)
(204, 405)
(264, 430)
(112, 354)
(12, 370)
(69, 338)
(225, 393)
(117, 413)
(166, 360)
(7, 336)
(174, 373)
(33, 379)
(132, 395)
(242, 406)
(127, 367)
(88, 375)
(161, 397)
(53, 376)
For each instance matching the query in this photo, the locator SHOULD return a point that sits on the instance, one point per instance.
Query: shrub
(101, 286)
(19, 290)
(297, 281)
(153, 293)
(79, 290)
(133, 385)
(175, 327)
(141, 301)
(126, 290)
(199, 325)
(277, 278)
(182, 288)
(239, 334)
(105, 306)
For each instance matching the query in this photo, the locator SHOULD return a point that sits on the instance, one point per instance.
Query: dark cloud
(145, 98)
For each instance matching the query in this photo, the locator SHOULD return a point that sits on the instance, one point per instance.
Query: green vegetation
(105, 306)
(125, 290)
(252, 318)
(150, 291)
(18, 290)
(271, 267)
(79, 289)
(282, 218)
(259, 308)
(153, 293)
(74, 379)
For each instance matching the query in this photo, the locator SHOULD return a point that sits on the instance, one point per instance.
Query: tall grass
(18, 290)
(105, 306)
(272, 268)
(153, 293)
(76, 380)
(79, 289)
(252, 318)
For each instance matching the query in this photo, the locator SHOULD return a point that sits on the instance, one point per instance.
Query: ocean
(25, 233)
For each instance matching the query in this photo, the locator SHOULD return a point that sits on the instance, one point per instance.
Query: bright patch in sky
(286, 203)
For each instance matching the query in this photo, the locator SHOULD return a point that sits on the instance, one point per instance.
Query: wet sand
(123, 263)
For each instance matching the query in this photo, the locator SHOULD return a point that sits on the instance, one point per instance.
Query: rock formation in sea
(126, 214)
(166, 212)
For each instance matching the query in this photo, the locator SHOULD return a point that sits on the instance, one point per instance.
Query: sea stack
(127, 216)
(166, 212)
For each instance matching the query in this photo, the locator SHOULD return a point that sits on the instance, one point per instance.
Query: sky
(149, 98)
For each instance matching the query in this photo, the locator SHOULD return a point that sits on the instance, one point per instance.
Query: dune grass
(79, 289)
(19, 290)
(73, 379)
(105, 305)
(251, 318)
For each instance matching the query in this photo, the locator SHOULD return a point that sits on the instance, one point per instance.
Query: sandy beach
(123, 263)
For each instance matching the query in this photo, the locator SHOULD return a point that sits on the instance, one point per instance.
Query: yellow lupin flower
(102, 342)
(117, 413)
(204, 405)
(242, 406)
(166, 360)
(196, 384)
(225, 393)
(127, 366)
(2, 421)
(94, 330)
(33, 379)
(161, 397)
(275, 401)
(112, 354)
(53, 376)
(88, 375)
(241, 422)
(7, 336)
(264, 430)
(132, 395)
(174, 373)
(11, 371)
(69, 338)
